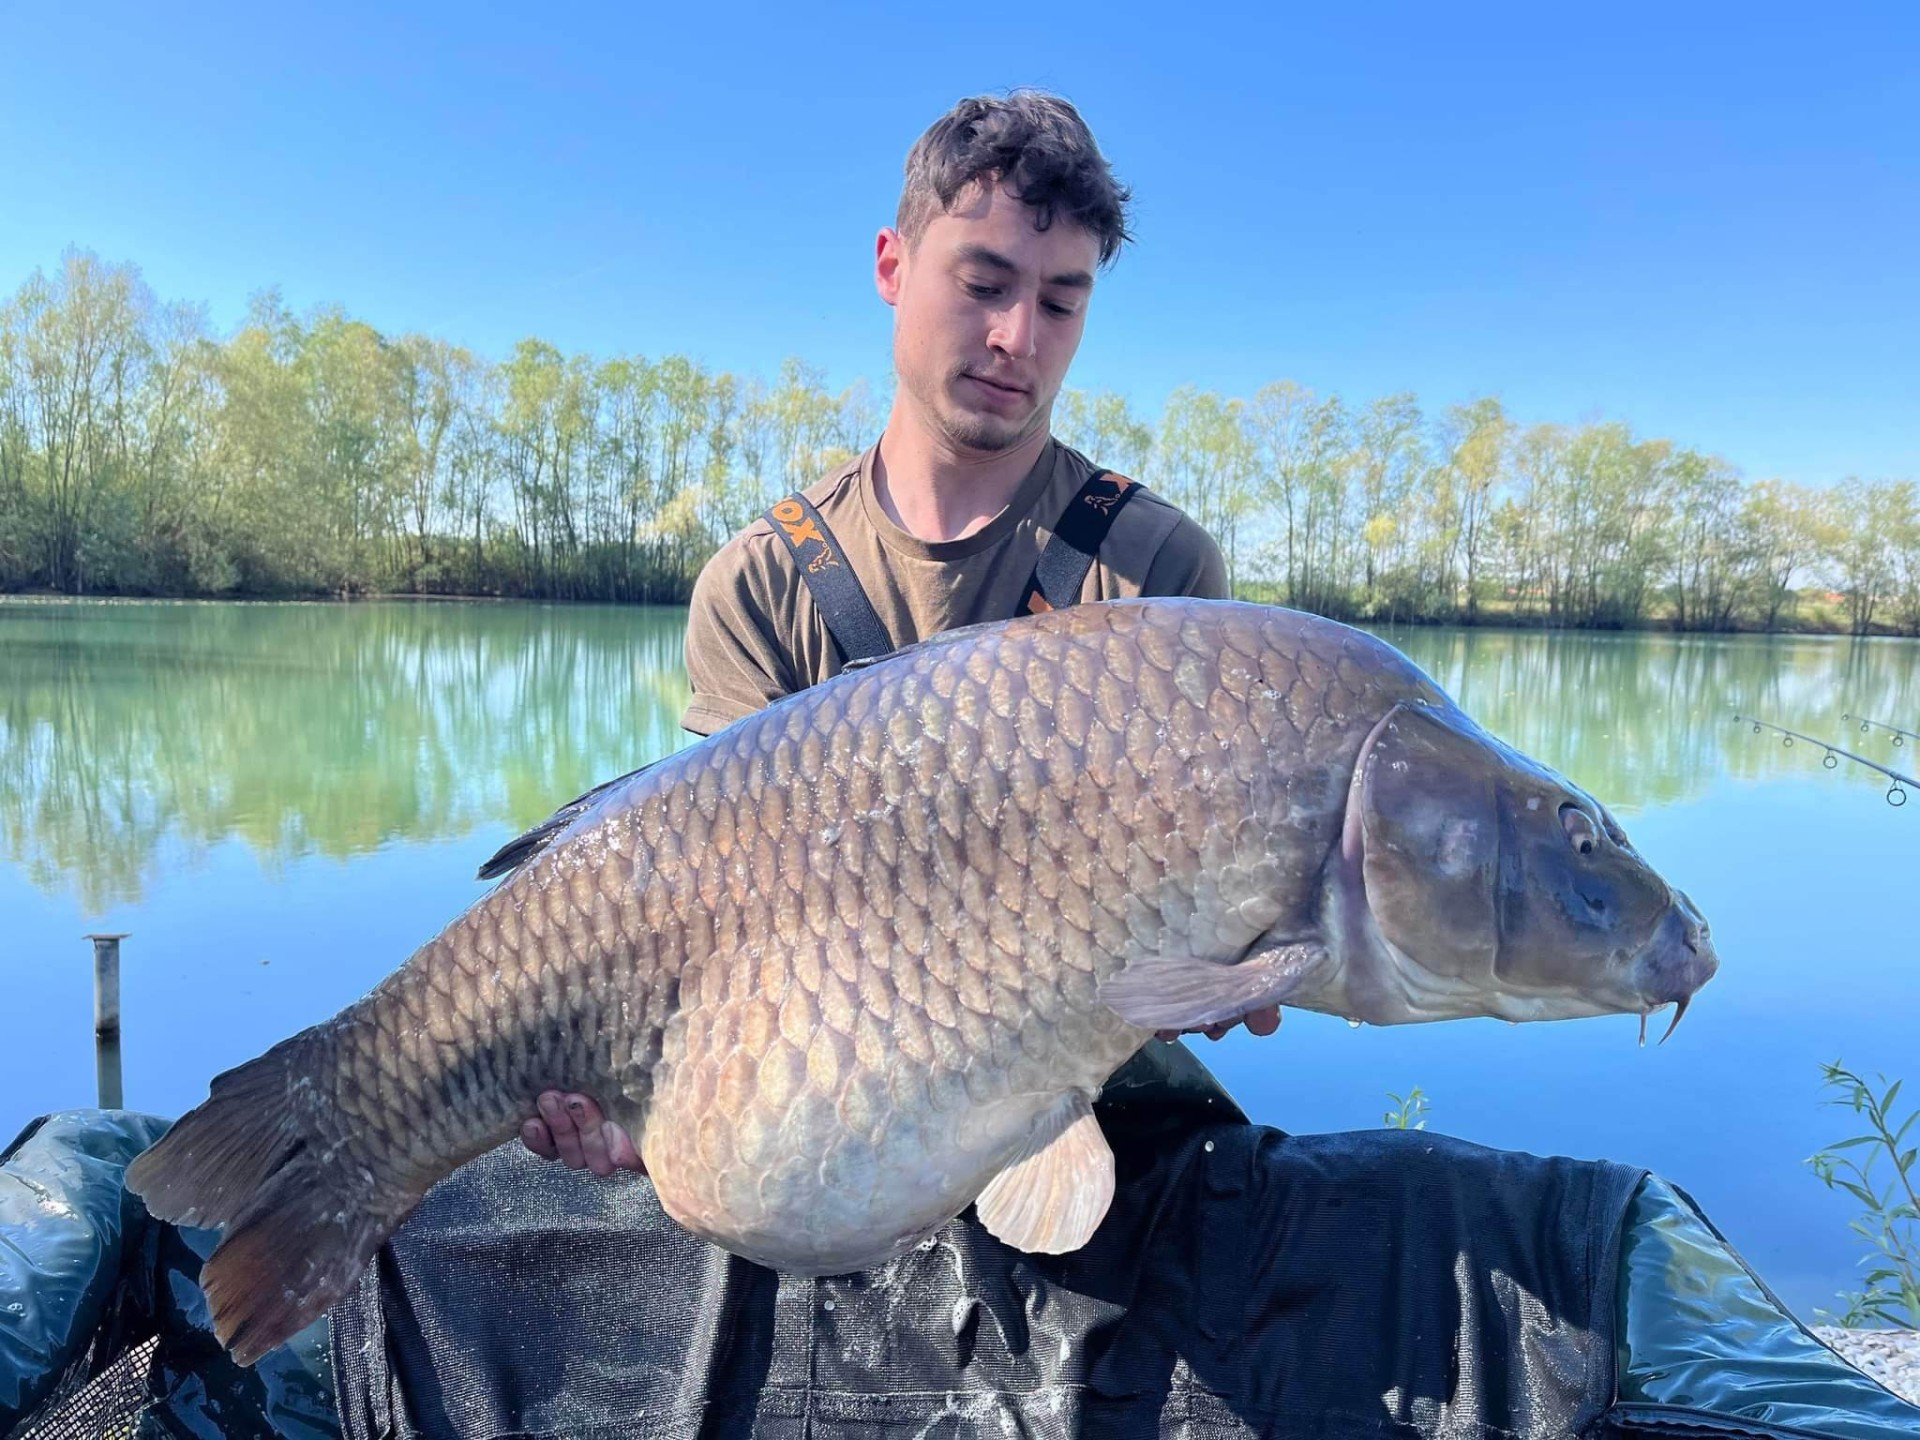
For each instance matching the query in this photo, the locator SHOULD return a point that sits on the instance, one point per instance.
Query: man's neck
(936, 492)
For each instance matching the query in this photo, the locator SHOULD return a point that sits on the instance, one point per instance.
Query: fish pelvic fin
(1056, 1192)
(300, 1222)
(1182, 993)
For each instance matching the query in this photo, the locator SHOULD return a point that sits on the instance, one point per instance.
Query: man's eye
(982, 292)
(1054, 308)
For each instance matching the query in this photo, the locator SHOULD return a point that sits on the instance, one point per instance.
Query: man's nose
(1013, 330)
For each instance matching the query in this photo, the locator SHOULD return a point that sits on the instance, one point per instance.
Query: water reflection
(1647, 720)
(135, 736)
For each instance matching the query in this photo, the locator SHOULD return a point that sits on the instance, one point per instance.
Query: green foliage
(1409, 1113)
(313, 455)
(1891, 1222)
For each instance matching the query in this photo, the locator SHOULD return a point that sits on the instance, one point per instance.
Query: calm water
(280, 802)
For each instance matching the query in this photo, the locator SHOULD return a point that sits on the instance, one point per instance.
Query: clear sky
(1703, 219)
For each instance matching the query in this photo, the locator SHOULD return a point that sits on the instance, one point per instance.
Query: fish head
(1497, 887)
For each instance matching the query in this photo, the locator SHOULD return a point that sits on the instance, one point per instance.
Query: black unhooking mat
(1246, 1283)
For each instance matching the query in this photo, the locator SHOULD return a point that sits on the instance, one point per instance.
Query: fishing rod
(1896, 793)
(1866, 726)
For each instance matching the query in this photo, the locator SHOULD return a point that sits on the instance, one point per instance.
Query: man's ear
(889, 259)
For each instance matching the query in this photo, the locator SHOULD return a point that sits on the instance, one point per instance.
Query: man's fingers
(585, 1111)
(620, 1148)
(566, 1135)
(537, 1138)
(1263, 1021)
(593, 1134)
(572, 1130)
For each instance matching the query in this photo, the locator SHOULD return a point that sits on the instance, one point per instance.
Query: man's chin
(984, 434)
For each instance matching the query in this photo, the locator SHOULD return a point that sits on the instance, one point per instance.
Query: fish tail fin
(291, 1257)
(301, 1222)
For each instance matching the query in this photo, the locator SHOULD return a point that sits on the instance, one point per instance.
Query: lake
(279, 802)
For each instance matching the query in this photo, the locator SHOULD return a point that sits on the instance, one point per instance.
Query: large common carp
(867, 956)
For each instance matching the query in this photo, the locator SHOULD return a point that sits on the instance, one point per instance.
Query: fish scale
(865, 958)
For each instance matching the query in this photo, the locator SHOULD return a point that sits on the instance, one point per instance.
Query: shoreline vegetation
(1817, 615)
(312, 457)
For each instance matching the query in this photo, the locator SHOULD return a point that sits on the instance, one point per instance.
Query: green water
(278, 802)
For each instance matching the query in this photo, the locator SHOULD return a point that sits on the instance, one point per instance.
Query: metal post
(106, 1018)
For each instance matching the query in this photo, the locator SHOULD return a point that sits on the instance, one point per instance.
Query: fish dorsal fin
(1183, 993)
(522, 848)
(1056, 1192)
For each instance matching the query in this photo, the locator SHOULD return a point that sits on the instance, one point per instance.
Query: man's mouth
(1003, 387)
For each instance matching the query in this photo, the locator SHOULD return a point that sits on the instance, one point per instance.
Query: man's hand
(571, 1129)
(1261, 1022)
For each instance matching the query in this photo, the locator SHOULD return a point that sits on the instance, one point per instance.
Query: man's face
(987, 315)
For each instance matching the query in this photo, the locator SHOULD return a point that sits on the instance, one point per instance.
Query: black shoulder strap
(849, 614)
(1075, 541)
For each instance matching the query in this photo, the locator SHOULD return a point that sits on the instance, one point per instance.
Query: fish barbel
(867, 956)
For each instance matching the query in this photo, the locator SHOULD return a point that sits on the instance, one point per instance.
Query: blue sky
(1701, 219)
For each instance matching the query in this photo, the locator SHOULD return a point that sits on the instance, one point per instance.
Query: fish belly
(819, 1148)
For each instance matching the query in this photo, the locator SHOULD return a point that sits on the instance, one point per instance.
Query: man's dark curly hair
(1034, 144)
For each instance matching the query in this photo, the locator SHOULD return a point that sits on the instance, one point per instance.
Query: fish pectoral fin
(1055, 1194)
(1165, 992)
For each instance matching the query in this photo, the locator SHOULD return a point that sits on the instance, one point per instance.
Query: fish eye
(1579, 827)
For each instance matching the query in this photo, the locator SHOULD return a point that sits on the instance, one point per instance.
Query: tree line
(142, 454)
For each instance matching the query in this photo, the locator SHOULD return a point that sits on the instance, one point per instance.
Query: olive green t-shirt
(754, 634)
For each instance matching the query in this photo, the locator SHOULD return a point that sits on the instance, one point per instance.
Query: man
(1007, 213)
(1242, 1282)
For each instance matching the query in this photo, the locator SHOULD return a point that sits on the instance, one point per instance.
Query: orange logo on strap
(1105, 503)
(794, 520)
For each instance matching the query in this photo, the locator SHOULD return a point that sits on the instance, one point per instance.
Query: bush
(1891, 1224)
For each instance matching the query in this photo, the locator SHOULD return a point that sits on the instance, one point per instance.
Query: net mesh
(108, 1404)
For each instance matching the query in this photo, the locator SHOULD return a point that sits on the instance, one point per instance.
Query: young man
(1243, 1282)
(1007, 214)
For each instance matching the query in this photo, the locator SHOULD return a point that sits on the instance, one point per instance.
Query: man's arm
(737, 660)
(1188, 562)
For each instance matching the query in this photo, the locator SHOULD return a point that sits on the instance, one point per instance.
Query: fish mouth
(1675, 964)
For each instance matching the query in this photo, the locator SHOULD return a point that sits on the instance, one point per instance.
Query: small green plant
(1891, 1224)
(1408, 1114)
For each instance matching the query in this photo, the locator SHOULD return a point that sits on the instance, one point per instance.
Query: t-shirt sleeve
(736, 664)
(1188, 562)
